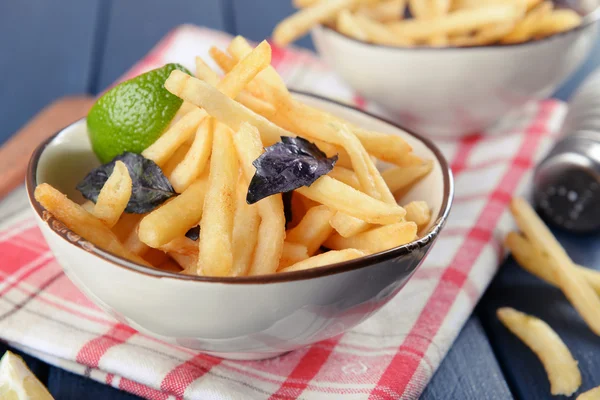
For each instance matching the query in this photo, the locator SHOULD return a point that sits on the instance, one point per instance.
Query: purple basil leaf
(287, 165)
(193, 233)
(150, 187)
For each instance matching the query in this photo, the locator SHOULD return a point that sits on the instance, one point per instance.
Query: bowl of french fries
(448, 67)
(260, 221)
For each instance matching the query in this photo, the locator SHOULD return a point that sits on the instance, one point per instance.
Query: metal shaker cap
(567, 183)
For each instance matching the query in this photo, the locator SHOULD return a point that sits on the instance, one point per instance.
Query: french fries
(331, 257)
(216, 226)
(418, 212)
(377, 239)
(536, 263)
(435, 23)
(313, 230)
(561, 368)
(271, 232)
(592, 394)
(204, 225)
(114, 196)
(572, 284)
(82, 223)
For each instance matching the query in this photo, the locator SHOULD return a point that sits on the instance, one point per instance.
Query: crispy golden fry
(384, 11)
(341, 197)
(401, 178)
(227, 64)
(419, 9)
(300, 23)
(82, 223)
(313, 230)
(347, 25)
(176, 158)
(196, 159)
(183, 111)
(561, 368)
(205, 73)
(174, 137)
(458, 22)
(487, 35)
(245, 70)
(556, 22)
(291, 254)
(535, 263)
(271, 232)
(592, 394)
(216, 226)
(348, 226)
(526, 27)
(573, 285)
(174, 218)
(379, 33)
(114, 195)
(377, 239)
(245, 231)
(328, 258)
(418, 212)
(221, 107)
(239, 48)
(134, 244)
(346, 176)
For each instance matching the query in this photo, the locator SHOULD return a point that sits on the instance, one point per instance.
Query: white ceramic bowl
(239, 318)
(455, 91)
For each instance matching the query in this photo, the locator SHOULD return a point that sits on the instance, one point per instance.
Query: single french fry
(196, 159)
(114, 196)
(291, 254)
(221, 107)
(346, 176)
(379, 33)
(330, 257)
(400, 178)
(457, 22)
(561, 368)
(313, 230)
(300, 23)
(239, 48)
(216, 226)
(348, 226)
(174, 218)
(183, 111)
(530, 259)
(245, 70)
(82, 223)
(126, 224)
(525, 28)
(185, 253)
(245, 231)
(592, 394)
(176, 158)
(573, 285)
(556, 22)
(271, 232)
(347, 25)
(341, 197)
(205, 73)
(174, 137)
(418, 212)
(377, 239)
(227, 64)
(384, 11)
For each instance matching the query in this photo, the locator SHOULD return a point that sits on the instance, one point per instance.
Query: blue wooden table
(51, 49)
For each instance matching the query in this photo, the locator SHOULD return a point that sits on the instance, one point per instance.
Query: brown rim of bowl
(582, 26)
(31, 183)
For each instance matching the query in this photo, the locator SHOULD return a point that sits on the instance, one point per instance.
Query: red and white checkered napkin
(392, 355)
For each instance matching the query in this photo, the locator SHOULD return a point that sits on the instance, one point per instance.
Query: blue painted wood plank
(256, 19)
(516, 288)
(46, 53)
(135, 26)
(470, 370)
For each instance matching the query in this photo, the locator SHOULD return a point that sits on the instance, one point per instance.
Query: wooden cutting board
(15, 153)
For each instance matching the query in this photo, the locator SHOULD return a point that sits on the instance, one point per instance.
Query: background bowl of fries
(460, 70)
(246, 317)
